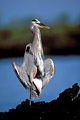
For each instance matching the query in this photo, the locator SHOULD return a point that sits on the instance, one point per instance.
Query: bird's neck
(37, 37)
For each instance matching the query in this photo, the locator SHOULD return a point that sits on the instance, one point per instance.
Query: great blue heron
(30, 73)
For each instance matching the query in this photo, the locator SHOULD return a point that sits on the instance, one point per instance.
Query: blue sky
(43, 9)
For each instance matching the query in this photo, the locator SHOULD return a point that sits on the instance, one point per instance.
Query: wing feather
(49, 71)
(21, 74)
(24, 79)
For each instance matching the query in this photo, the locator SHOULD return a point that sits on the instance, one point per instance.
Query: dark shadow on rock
(65, 107)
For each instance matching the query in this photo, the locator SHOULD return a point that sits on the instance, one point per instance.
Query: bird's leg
(30, 98)
(39, 101)
(30, 94)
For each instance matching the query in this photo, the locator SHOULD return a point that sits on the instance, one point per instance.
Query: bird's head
(37, 23)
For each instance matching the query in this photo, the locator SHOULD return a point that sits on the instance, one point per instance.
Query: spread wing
(49, 72)
(24, 79)
(21, 74)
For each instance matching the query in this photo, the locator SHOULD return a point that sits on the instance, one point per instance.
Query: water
(12, 93)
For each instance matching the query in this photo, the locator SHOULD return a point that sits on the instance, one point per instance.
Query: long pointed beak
(43, 26)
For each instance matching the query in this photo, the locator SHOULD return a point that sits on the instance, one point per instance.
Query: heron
(35, 73)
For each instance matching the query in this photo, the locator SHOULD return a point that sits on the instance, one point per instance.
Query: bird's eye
(27, 49)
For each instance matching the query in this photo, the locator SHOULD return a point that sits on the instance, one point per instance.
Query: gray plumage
(22, 73)
(35, 73)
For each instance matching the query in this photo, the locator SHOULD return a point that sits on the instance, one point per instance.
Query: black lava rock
(66, 107)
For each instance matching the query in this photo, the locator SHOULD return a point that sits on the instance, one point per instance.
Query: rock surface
(65, 107)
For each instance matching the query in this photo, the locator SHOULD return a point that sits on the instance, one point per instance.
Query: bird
(34, 73)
